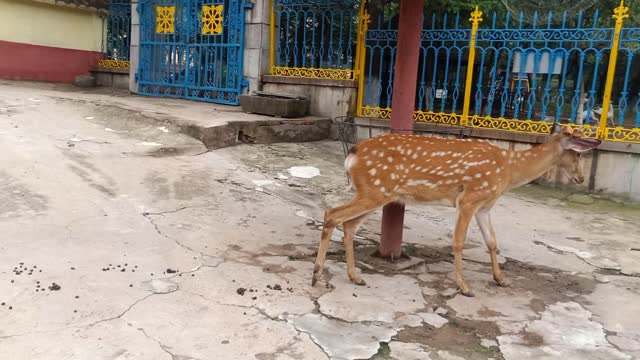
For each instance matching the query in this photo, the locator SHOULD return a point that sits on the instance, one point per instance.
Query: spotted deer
(469, 175)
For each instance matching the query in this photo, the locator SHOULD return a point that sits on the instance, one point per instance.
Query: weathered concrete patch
(408, 351)
(160, 286)
(331, 335)
(383, 299)
(113, 339)
(215, 331)
(433, 319)
(238, 284)
(567, 331)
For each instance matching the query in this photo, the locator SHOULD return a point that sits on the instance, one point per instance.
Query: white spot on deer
(393, 176)
(374, 152)
(467, 178)
(376, 182)
(414, 156)
(412, 166)
(485, 184)
(372, 171)
(450, 181)
(418, 168)
(385, 167)
(440, 173)
(448, 161)
(478, 175)
(382, 189)
(395, 188)
(380, 154)
(504, 153)
(498, 170)
(494, 188)
(389, 159)
(369, 162)
(488, 173)
(493, 162)
(409, 152)
(424, 170)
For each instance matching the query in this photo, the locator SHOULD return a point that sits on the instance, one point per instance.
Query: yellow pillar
(619, 14)
(361, 56)
(476, 18)
(272, 37)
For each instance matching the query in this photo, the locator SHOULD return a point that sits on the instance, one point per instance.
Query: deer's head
(572, 145)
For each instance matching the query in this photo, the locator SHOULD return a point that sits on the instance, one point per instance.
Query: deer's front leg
(483, 218)
(465, 213)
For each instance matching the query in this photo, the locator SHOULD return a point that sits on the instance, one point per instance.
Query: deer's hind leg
(483, 219)
(355, 210)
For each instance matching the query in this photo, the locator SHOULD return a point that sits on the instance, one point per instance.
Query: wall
(613, 168)
(134, 47)
(329, 98)
(40, 41)
(256, 46)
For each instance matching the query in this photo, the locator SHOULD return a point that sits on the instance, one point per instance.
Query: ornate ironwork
(117, 35)
(184, 59)
(212, 17)
(336, 74)
(314, 35)
(113, 64)
(165, 19)
(520, 78)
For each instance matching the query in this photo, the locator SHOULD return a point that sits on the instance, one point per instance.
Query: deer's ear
(582, 144)
(556, 128)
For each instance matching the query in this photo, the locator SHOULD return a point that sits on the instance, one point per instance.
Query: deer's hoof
(467, 293)
(314, 279)
(502, 282)
(358, 281)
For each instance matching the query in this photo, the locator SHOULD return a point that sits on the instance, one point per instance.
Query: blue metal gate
(192, 49)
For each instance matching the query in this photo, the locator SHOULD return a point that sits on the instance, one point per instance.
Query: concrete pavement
(125, 239)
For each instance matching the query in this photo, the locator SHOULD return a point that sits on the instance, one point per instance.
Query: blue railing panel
(316, 34)
(551, 69)
(117, 39)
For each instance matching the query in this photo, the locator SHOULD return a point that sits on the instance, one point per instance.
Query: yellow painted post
(272, 37)
(476, 18)
(619, 14)
(361, 52)
(356, 63)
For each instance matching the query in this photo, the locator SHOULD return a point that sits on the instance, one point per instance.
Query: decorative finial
(476, 16)
(621, 12)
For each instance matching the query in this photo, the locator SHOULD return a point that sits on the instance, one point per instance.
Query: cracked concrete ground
(111, 249)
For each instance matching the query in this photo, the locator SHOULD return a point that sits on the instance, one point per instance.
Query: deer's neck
(530, 164)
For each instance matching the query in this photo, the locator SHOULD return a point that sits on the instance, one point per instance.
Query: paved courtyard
(125, 239)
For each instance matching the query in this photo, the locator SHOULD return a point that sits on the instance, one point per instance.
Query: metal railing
(315, 39)
(514, 77)
(117, 36)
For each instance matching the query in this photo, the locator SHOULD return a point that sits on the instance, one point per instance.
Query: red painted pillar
(403, 103)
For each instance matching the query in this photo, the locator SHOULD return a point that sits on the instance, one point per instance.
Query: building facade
(50, 40)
